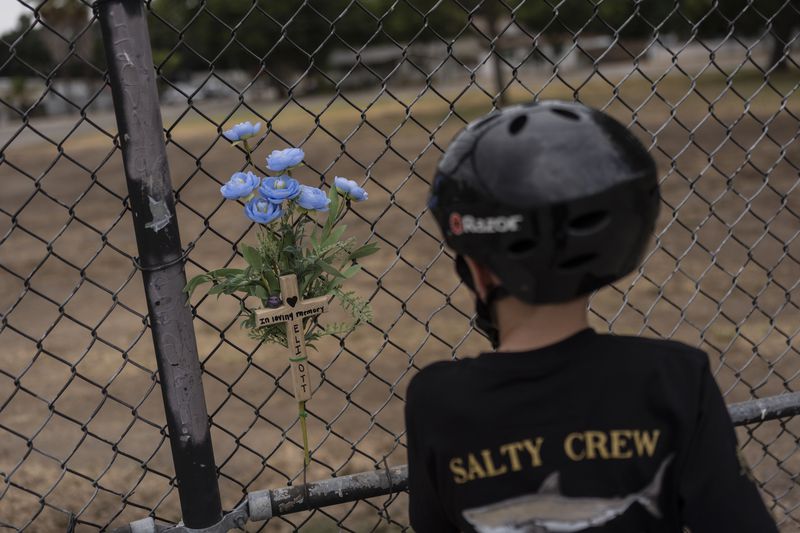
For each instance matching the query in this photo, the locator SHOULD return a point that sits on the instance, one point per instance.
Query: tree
(23, 52)
(748, 18)
(290, 37)
(67, 28)
(783, 24)
(283, 38)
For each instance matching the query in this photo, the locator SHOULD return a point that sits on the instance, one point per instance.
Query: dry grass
(720, 276)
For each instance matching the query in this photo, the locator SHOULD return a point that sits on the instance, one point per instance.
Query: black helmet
(557, 199)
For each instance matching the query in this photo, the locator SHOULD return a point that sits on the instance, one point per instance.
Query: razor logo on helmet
(461, 224)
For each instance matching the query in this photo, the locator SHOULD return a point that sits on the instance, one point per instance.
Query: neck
(525, 327)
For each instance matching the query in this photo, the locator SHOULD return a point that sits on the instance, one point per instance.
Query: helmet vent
(589, 223)
(566, 113)
(577, 261)
(521, 246)
(517, 124)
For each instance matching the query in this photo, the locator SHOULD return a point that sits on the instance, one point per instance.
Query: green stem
(303, 415)
(249, 154)
(265, 283)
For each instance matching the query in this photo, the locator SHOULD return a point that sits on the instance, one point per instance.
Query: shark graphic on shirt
(549, 511)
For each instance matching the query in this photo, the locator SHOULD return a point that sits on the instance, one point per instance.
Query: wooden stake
(292, 312)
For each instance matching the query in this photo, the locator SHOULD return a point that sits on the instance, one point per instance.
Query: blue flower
(261, 210)
(350, 189)
(280, 160)
(240, 185)
(276, 190)
(242, 131)
(311, 198)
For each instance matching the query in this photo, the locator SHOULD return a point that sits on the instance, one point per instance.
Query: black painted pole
(133, 87)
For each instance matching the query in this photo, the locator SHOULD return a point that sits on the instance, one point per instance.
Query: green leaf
(260, 292)
(252, 257)
(334, 236)
(195, 282)
(333, 211)
(337, 328)
(225, 272)
(217, 289)
(309, 278)
(351, 271)
(330, 269)
(363, 251)
(272, 280)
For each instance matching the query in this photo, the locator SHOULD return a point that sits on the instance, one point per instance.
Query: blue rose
(240, 185)
(280, 160)
(311, 198)
(242, 131)
(350, 189)
(276, 190)
(261, 210)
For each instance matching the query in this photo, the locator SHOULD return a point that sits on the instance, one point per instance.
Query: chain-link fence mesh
(372, 90)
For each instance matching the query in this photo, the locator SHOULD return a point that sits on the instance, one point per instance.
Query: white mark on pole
(160, 213)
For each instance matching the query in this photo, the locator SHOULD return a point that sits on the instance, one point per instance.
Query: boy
(562, 429)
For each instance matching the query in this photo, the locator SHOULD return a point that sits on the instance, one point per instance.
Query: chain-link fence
(372, 90)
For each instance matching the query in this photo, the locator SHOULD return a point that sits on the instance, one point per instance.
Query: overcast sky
(10, 10)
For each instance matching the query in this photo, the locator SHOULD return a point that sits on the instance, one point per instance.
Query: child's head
(554, 199)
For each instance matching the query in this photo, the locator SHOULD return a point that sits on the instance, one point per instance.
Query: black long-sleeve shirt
(594, 433)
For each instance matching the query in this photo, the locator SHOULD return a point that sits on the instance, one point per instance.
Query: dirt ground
(80, 411)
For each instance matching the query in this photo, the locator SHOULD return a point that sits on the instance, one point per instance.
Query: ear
(483, 278)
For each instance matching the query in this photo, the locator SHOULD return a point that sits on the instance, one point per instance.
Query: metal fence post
(132, 76)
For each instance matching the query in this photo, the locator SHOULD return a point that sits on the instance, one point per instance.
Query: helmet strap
(483, 321)
(486, 312)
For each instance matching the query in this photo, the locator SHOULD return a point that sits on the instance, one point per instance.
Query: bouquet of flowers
(321, 259)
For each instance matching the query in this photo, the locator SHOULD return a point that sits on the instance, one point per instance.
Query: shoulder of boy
(428, 381)
(673, 350)
(665, 357)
